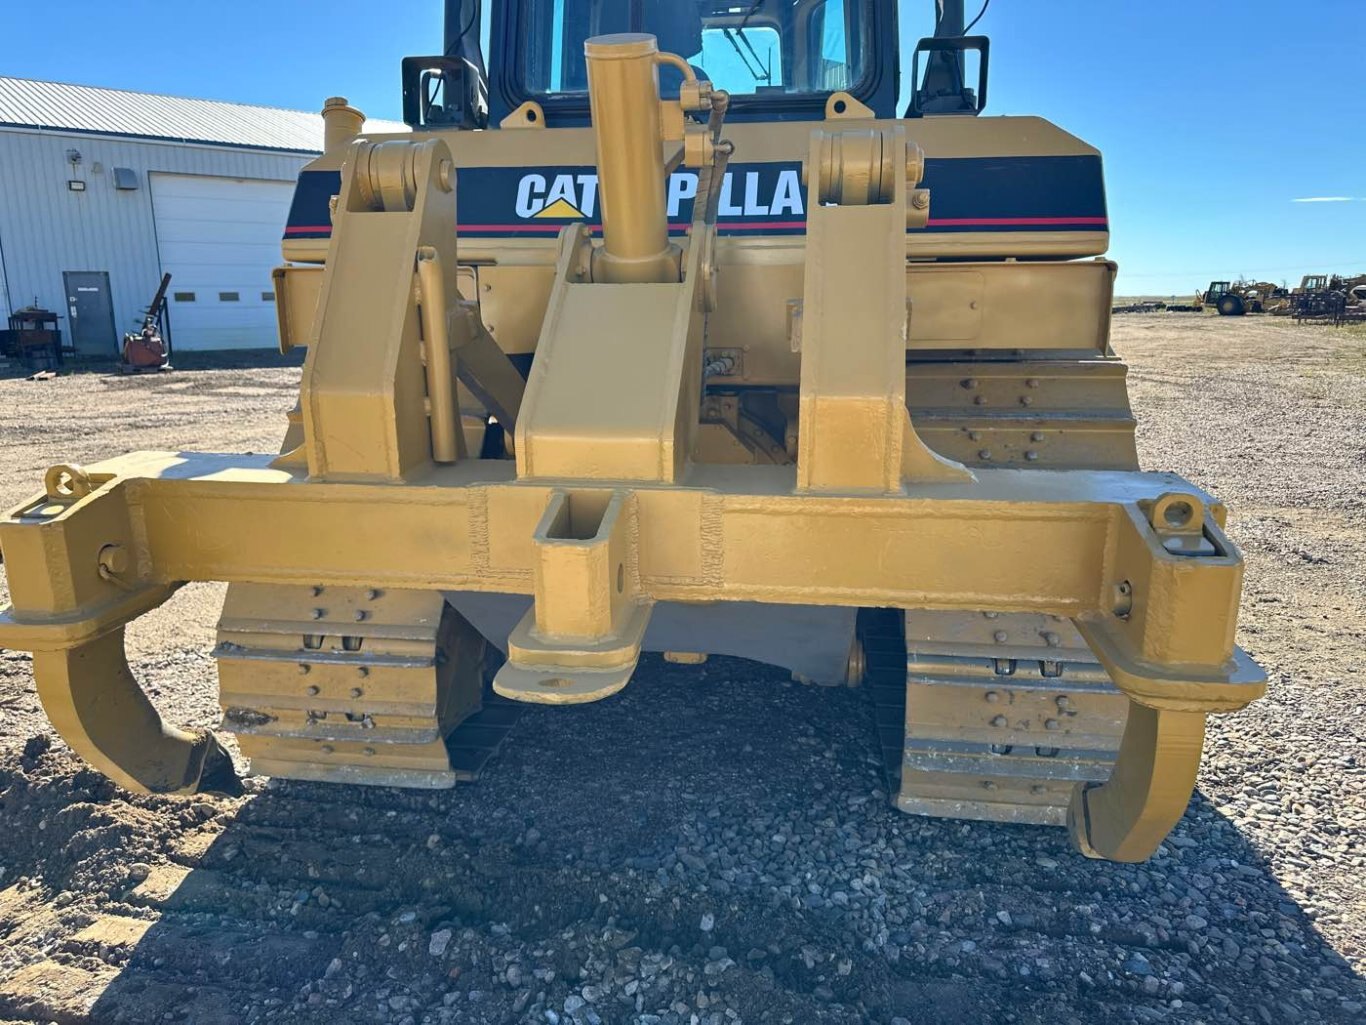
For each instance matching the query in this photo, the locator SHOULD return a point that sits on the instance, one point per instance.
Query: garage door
(219, 239)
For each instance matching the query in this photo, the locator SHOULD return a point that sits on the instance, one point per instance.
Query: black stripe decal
(968, 194)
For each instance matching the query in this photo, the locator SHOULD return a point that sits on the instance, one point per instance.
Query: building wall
(46, 229)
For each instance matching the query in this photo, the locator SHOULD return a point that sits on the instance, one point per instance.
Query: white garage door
(219, 238)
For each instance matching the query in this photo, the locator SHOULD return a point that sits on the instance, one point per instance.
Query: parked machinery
(701, 349)
(1328, 299)
(1354, 308)
(33, 337)
(148, 350)
(1231, 299)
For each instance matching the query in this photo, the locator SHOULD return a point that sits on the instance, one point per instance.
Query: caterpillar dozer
(676, 328)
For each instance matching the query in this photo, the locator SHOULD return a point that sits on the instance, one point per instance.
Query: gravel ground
(714, 845)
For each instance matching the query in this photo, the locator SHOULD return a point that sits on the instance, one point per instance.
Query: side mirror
(944, 89)
(443, 92)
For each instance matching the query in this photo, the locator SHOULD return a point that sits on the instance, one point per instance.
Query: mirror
(942, 70)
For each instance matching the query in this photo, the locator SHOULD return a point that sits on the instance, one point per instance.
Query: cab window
(748, 47)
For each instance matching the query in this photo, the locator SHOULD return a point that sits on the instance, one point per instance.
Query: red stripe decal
(781, 225)
(940, 222)
(542, 226)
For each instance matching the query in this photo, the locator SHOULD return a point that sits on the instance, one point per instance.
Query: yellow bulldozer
(676, 327)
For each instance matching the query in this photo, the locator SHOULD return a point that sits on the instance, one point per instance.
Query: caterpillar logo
(763, 195)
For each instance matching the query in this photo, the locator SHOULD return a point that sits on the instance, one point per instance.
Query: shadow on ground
(712, 840)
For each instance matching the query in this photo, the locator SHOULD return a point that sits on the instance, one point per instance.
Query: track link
(986, 716)
(357, 685)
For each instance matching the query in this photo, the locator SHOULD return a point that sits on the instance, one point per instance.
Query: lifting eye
(1178, 514)
(1177, 511)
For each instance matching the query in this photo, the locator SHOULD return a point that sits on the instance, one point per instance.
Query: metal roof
(57, 106)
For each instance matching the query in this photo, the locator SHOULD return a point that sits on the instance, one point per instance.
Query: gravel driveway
(715, 845)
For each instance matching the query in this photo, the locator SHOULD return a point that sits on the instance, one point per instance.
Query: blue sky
(1209, 134)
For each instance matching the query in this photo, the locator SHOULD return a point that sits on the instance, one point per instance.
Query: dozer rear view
(676, 331)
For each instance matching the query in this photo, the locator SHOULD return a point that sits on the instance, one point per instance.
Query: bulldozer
(678, 326)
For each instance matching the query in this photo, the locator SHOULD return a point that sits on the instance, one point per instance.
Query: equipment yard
(715, 844)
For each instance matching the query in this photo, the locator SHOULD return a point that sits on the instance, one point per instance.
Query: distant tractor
(1230, 299)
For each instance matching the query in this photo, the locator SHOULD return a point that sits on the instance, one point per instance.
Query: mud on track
(713, 844)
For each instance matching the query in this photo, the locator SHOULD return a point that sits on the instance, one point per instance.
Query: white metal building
(101, 191)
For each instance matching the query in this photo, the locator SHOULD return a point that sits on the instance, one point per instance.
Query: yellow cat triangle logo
(561, 208)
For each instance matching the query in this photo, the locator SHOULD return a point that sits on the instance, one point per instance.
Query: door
(219, 238)
(92, 313)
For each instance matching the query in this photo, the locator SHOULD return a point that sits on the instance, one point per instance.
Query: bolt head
(312, 692)
(304, 669)
(319, 613)
(362, 615)
(1051, 724)
(1000, 636)
(356, 692)
(999, 721)
(993, 696)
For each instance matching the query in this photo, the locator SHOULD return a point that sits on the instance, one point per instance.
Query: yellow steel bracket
(1168, 644)
(854, 429)
(616, 384)
(582, 640)
(76, 590)
(1144, 569)
(378, 391)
